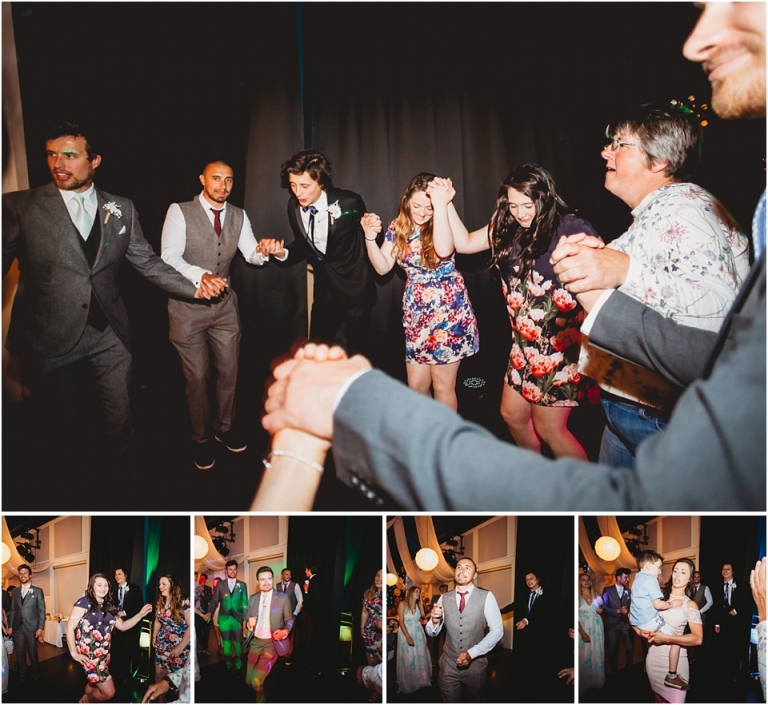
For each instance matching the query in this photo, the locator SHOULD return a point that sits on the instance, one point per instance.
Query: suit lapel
(54, 204)
(332, 222)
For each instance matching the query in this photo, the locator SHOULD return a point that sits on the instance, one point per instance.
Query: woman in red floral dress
(440, 325)
(89, 635)
(543, 382)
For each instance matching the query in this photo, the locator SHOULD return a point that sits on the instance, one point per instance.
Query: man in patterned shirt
(683, 256)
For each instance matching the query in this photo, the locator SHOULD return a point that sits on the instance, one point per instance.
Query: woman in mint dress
(591, 637)
(414, 664)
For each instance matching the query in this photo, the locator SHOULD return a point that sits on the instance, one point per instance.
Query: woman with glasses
(542, 381)
(440, 325)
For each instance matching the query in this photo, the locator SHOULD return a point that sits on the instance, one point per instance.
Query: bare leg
(516, 413)
(444, 383)
(419, 377)
(551, 424)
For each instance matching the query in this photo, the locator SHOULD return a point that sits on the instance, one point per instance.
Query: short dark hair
(24, 566)
(467, 558)
(313, 567)
(75, 129)
(310, 160)
(125, 572)
(265, 569)
(230, 562)
(622, 571)
(648, 557)
(666, 133)
(208, 162)
(203, 576)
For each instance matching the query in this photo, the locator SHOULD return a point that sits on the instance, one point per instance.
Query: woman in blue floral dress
(591, 637)
(89, 635)
(543, 381)
(414, 663)
(440, 325)
(172, 628)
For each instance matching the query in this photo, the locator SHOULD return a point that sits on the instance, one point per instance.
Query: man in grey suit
(70, 239)
(471, 618)
(270, 620)
(616, 601)
(710, 457)
(200, 240)
(26, 622)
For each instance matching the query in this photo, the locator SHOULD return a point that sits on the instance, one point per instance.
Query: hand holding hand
(441, 192)
(582, 267)
(463, 659)
(371, 225)
(210, 286)
(269, 246)
(757, 581)
(155, 690)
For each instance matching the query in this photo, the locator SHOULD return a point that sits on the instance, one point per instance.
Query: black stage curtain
(545, 548)
(729, 539)
(348, 550)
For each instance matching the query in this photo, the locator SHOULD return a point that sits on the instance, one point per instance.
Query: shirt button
(85, 305)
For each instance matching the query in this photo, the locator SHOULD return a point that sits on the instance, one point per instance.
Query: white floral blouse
(687, 258)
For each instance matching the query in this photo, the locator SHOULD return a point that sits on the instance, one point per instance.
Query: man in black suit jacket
(70, 240)
(616, 601)
(124, 654)
(26, 622)
(326, 227)
(732, 616)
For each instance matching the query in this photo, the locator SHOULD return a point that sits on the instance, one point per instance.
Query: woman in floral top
(89, 634)
(440, 325)
(171, 631)
(543, 382)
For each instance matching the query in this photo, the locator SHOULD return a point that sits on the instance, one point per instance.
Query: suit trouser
(108, 363)
(231, 630)
(327, 317)
(25, 643)
(453, 680)
(194, 329)
(612, 635)
(202, 632)
(261, 657)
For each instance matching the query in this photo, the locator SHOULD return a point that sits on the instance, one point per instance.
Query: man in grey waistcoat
(471, 618)
(291, 588)
(200, 240)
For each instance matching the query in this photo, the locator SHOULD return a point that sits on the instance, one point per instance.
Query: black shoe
(205, 457)
(232, 440)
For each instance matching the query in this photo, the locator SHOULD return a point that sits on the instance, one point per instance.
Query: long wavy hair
(592, 590)
(175, 598)
(372, 591)
(667, 587)
(512, 244)
(109, 604)
(411, 603)
(404, 225)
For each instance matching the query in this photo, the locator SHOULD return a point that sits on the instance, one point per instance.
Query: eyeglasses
(615, 143)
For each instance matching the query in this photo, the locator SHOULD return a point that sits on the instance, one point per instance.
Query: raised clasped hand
(269, 246)
(441, 191)
(210, 286)
(371, 224)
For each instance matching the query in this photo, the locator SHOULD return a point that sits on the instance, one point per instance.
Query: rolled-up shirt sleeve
(495, 628)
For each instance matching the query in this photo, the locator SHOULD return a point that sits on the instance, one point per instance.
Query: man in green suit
(231, 597)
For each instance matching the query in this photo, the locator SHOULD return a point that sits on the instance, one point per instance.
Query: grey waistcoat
(465, 629)
(204, 248)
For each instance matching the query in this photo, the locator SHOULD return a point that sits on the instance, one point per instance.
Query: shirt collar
(89, 195)
(321, 204)
(465, 588)
(206, 204)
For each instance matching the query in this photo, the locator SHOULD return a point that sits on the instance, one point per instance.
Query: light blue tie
(83, 221)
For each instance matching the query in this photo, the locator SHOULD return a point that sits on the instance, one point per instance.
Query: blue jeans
(626, 426)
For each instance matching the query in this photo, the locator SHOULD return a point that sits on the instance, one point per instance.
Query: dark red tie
(462, 601)
(216, 221)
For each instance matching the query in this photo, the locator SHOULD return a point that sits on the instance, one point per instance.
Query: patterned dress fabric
(372, 628)
(545, 321)
(657, 661)
(687, 261)
(592, 654)
(93, 636)
(414, 664)
(168, 638)
(440, 324)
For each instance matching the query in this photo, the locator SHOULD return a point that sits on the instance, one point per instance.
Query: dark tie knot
(311, 209)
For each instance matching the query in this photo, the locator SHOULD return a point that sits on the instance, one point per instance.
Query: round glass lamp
(201, 547)
(607, 548)
(6, 553)
(391, 579)
(426, 559)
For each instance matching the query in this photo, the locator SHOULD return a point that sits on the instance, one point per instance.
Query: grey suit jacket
(50, 310)
(31, 613)
(280, 614)
(390, 441)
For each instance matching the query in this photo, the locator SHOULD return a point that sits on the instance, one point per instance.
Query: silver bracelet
(289, 454)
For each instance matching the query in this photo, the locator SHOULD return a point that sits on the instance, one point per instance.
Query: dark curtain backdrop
(348, 550)
(730, 539)
(545, 548)
(123, 541)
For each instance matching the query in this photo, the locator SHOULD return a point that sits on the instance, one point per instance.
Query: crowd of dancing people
(671, 620)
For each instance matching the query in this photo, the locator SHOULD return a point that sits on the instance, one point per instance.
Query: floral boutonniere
(126, 588)
(334, 211)
(112, 209)
(539, 592)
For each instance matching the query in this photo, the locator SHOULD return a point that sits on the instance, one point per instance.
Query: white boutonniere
(539, 592)
(112, 209)
(126, 589)
(334, 211)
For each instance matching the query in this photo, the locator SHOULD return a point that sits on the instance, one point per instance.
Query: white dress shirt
(263, 630)
(492, 618)
(90, 201)
(174, 240)
(321, 222)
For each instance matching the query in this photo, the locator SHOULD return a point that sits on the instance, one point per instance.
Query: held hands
(441, 191)
(268, 246)
(371, 225)
(584, 264)
(279, 634)
(210, 286)
(463, 659)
